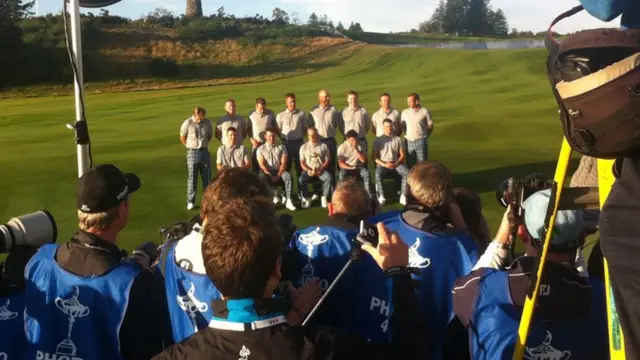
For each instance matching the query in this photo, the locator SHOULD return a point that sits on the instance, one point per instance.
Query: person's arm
(606, 10)
(210, 130)
(143, 327)
(367, 120)
(262, 163)
(402, 155)
(303, 163)
(397, 122)
(341, 159)
(219, 130)
(496, 254)
(339, 120)
(283, 162)
(373, 124)
(219, 165)
(375, 155)
(246, 163)
(362, 157)
(429, 122)
(326, 162)
(403, 122)
(184, 131)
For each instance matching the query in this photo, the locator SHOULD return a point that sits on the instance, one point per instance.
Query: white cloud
(401, 15)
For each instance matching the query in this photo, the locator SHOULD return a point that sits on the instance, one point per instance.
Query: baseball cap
(569, 223)
(103, 187)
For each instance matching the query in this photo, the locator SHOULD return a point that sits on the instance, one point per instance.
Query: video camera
(512, 192)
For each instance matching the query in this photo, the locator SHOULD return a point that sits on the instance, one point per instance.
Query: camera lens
(501, 193)
(6, 239)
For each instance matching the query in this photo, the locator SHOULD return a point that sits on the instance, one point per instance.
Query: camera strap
(432, 222)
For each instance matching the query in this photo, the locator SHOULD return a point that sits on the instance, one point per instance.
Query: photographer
(360, 302)
(442, 253)
(181, 265)
(12, 341)
(84, 298)
(570, 316)
(241, 246)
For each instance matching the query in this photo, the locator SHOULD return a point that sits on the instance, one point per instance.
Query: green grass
(422, 38)
(494, 116)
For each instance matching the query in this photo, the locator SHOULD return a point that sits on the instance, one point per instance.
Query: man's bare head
(350, 198)
(324, 98)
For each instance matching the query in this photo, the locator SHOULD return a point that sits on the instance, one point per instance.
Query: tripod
(572, 198)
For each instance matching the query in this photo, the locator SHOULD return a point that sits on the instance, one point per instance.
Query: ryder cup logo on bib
(415, 259)
(67, 349)
(191, 305)
(311, 240)
(5, 313)
(545, 351)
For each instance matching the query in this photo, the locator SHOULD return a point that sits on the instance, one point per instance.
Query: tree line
(466, 18)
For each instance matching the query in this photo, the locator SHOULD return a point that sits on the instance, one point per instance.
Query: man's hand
(255, 142)
(391, 250)
(304, 298)
(388, 165)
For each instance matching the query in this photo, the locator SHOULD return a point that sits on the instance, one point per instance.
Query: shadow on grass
(487, 180)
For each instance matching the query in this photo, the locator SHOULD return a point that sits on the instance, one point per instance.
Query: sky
(373, 15)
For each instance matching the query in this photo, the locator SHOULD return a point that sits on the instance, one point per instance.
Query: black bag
(595, 78)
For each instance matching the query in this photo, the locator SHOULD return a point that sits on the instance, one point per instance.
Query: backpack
(595, 78)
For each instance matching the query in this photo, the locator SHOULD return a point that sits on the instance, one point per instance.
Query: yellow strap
(616, 338)
(529, 305)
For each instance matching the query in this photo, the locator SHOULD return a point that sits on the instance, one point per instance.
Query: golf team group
(316, 159)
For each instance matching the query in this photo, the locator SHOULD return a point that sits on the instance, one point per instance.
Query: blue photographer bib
(70, 317)
(494, 323)
(12, 338)
(189, 297)
(360, 301)
(441, 259)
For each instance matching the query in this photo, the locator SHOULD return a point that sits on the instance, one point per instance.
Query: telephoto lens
(34, 230)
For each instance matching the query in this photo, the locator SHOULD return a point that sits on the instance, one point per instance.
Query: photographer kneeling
(570, 316)
(242, 244)
(84, 299)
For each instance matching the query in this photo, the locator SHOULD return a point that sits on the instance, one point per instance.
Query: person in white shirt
(259, 120)
(272, 160)
(386, 111)
(232, 155)
(315, 159)
(231, 119)
(292, 125)
(195, 134)
(418, 126)
(352, 159)
(355, 117)
(388, 153)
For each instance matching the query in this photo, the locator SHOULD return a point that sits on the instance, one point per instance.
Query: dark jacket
(282, 341)
(141, 334)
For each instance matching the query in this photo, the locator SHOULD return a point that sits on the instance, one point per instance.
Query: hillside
(494, 115)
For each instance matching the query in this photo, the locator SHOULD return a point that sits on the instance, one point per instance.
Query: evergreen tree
(436, 23)
(313, 19)
(340, 27)
(455, 17)
(500, 24)
(477, 19)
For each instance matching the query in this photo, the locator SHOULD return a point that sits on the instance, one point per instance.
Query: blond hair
(351, 198)
(430, 183)
(100, 221)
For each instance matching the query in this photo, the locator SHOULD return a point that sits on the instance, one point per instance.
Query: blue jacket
(74, 316)
(12, 340)
(441, 258)
(361, 301)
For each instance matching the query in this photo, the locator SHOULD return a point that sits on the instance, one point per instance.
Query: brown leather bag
(595, 78)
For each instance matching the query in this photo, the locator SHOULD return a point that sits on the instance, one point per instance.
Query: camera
(514, 192)
(368, 234)
(34, 230)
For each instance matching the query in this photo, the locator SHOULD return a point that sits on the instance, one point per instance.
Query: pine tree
(455, 17)
(500, 24)
(340, 27)
(313, 19)
(477, 19)
(436, 23)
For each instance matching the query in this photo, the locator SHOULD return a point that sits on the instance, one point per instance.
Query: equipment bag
(595, 78)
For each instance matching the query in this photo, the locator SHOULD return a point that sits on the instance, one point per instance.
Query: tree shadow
(488, 180)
